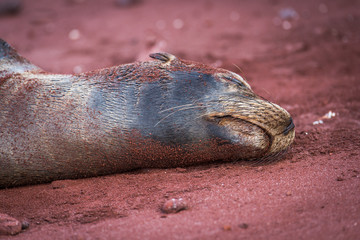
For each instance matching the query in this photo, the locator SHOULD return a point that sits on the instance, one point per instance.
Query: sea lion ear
(164, 57)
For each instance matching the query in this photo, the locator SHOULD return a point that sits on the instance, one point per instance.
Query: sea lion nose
(290, 127)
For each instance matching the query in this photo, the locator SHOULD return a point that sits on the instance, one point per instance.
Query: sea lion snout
(251, 120)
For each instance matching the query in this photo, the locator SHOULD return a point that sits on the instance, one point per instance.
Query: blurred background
(68, 36)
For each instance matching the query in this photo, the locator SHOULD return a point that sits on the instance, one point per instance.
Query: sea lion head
(224, 102)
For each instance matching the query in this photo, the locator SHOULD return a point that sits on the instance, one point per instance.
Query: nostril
(290, 127)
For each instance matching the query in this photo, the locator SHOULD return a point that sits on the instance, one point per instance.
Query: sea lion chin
(167, 112)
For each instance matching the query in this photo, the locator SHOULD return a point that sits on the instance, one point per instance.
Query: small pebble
(286, 25)
(227, 227)
(74, 34)
(339, 179)
(329, 115)
(174, 205)
(178, 23)
(25, 225)
(9, 225)
(318, 122)
(244, 226)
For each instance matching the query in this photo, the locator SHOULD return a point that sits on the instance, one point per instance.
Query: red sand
(312, 68)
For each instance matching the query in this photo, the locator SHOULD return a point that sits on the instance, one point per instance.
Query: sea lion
(167, 112)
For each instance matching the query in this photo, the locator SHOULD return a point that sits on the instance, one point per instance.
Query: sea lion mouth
(254, 139)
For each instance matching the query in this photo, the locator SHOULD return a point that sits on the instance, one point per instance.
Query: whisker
(267, 92)
(182, 109)
(172, 108)
(241, 71)
(269, 159)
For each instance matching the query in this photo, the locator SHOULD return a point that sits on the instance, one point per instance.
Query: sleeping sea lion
(167, 112)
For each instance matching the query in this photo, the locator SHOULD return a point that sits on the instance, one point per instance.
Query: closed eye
(234, 80)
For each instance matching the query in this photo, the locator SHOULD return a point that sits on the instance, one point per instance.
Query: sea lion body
(163, 113)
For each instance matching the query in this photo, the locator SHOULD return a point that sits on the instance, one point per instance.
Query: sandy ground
(303, 55)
